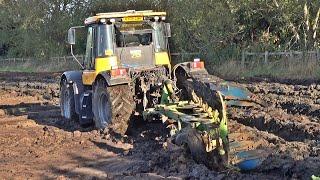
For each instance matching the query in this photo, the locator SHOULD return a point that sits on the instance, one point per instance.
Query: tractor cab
(130, 39)
(126, 62)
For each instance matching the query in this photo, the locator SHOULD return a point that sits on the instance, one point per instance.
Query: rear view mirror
(168, 29)
(72, 36)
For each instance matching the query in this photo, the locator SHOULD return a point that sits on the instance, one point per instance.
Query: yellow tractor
(125, 65)
(126, 72)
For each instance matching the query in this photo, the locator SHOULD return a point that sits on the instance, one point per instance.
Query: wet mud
(36, 142)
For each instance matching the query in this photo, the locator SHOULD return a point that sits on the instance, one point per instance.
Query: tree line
(217, 29)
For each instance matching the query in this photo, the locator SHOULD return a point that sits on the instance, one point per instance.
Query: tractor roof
(130, 15)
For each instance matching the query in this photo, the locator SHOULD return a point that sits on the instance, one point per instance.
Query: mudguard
(112, 81)
(74, 78)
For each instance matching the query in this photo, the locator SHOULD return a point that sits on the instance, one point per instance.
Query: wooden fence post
(266, 57)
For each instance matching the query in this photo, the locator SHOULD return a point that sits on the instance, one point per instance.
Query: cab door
(89, 74)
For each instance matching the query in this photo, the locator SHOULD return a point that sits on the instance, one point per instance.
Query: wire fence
(178, 57)
(25, 60)
(246, 57)
(267, 57)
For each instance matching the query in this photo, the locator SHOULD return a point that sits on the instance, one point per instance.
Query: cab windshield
(136, 38)
(128, 35)
(110, 36)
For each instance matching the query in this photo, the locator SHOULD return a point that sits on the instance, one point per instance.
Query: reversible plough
(194, 108)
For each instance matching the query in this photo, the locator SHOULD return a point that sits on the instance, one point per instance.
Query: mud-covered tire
(67, 103)
(112, 106)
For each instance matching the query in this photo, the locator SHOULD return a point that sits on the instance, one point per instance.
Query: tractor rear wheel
(67, 104)
(112, 106)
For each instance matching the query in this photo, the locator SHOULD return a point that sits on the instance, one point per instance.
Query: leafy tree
(218, 29)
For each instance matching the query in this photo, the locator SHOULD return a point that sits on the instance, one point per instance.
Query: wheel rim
(66, 105)
(104, 109)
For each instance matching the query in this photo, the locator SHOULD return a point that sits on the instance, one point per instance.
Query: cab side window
(89, 58)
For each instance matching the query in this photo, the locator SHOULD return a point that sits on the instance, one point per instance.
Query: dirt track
(37, 143)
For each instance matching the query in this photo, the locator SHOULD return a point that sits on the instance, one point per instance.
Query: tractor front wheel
(67, 104)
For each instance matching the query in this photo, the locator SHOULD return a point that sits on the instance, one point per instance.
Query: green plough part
(203, 121)
(195, 121)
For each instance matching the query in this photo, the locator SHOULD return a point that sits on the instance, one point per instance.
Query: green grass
(285, 69)
(280, 69)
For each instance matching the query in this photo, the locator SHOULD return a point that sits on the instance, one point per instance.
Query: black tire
(67, 104)
(112, 106)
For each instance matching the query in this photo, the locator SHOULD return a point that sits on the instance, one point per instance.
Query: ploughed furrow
(42, 85)
(29, 77)
(44, 90)
(291, 110)
(277, 121)
(287, 159)
(272, 142)
(296, 100)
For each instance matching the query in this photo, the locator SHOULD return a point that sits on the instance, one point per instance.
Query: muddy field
(36, 142)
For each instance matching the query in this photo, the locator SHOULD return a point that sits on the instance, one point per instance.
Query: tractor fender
(112, 81)
(74, 78)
